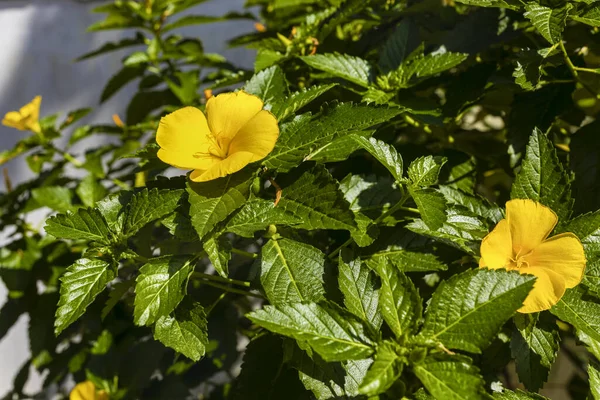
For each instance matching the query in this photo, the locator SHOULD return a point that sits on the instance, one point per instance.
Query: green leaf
(384, 153)
(213, 201)
(594, 375)
(384, 371)
(270, 85)
(218, 250)
(424, 171)
(549, 22)
(542, 177)
(353, 69)
(113, 46)
(303, 134)
(338, 149)
(118, 291)
(450, 377)
(149, 205)
(433, 64)
(467, 310)
(534, 347)
(589, 15)
(398, 45)
(314, 199)
(85, 224)
(333, 333)
(120, 79)
(256, 215)
(431, 205)
(587, 229)
(356, 370)
(160, 287)
(492, 3)
(203, 19)
(90, 191)
(476, 204)
(297, 100)
(291, 272)
(186, 332)
(517, 395)
(580, 310)
(111, 208)
(399, 300)
(357, 284)
(56, 198)
(80, 285)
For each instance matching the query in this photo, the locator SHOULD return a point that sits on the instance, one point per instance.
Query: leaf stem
(201, 275)
(230, 289)
(574, 70)
(244, 253)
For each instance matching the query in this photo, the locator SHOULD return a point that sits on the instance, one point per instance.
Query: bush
(339, 242)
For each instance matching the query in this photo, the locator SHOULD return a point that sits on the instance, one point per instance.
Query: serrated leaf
(57, 198)
(149, 205)
(353, 69)
(549, 22)
(86, 224)
(213, 201)
(384, 153)
(338, 149)
(297, 100)
(218, 250)
(517, 395)
(356, 370)
(424, 171)
(542, 177)
(476, 204)
(398, 45)
(256, 215)
(334, 334)
(450, 377)
(534, 346)
(80, 285)
(587, 229)
(90, 191)
(270, 85)
(467, 310)
(492, 3)
(580, 310)
(357, 284)
(433, 64)
(302, 135)
(315, 199)
(111, 208)
(185, 332)
(432, 206)
(384, 371)
(160, 287)
(399, 300)
(594, 375)
(589, 16)
(291, 272)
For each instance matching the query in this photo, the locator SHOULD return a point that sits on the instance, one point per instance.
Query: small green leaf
(589, 16)
(450, 377)
(517, 395)
(384, 153)
(399, 300)
(476, 204)
(594, 375)
(424, 171)
(270, 85)
(149, 205)
(353, 69)
(297, 100)
(513, 5)
(467, 310)
(542, 177)
(357, 283)
(90, 191)
(580, 310)
(256, 215)
(433, 64)
(113, 46)
(160, 287)
(120, 79)
(291, 272)
(384, 371)
(549, 22)
(398, 45)
(431, 205)
(85, 224)
(57, 198)
(218, 250)
(213, 201)
(333, 333)
(81, 283)
(203, 19)
(185, 332)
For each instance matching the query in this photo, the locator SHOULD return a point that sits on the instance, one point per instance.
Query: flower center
(218, 147)
(519, 260)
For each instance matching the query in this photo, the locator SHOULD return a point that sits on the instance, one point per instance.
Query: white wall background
(39, 41)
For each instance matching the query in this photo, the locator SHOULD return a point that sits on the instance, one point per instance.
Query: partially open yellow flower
(87, 391)
(235, 132)
(27, 118)
(520, 242)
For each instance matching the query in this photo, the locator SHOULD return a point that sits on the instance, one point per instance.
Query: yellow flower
(235, 132)
(87, 391)
(520, 242)
(27, 118)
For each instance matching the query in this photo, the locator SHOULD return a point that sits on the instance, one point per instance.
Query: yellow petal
(257, 136)
(32, 109)
(231, 164)
(228, 112)
(562, 254)
(547, 290)
(496, 247)
(184, 139)
(13, 119)
(530, 223)
(87, 391)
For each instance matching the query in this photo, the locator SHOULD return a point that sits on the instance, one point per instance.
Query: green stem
(230, 289)
(592, 70)
(574, 70)
(244, 253)
(201, 275)
(210, 308)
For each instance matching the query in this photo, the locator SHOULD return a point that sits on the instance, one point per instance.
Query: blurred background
(40, 41)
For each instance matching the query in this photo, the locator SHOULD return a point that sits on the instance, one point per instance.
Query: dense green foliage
(405, 127)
